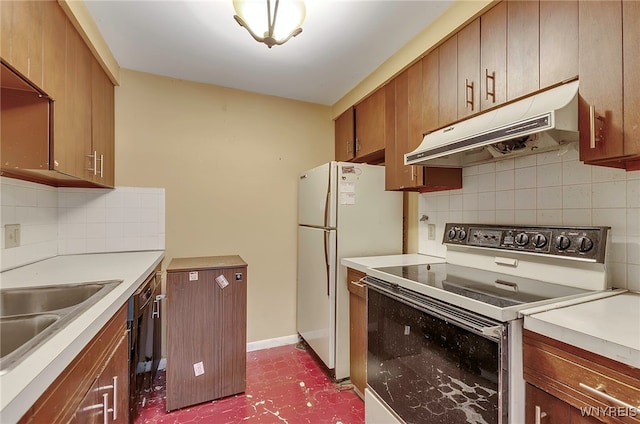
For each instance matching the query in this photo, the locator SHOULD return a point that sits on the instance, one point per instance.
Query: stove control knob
(462, 234)
(452, 234)
(563, 242)
(585, 244)
(539, 241)
(522, 239)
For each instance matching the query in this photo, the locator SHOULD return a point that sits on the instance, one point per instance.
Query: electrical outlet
(431, 231)
(11, 235)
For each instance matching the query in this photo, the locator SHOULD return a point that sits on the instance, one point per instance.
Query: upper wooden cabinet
(469, 69)
(345, 136)
(608, 59)
(41, 44)
(370, 125)
(493, 56)
(558, 41)
(448, 81)
(523, 51)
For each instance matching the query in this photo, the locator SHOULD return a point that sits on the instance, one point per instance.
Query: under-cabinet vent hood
(542, 122)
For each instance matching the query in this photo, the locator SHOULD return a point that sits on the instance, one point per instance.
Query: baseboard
(268, 343)
(259, 345)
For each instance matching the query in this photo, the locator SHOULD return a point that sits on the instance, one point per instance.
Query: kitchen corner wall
(547, 188)
(60, 221)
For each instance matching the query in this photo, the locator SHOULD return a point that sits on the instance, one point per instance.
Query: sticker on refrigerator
(347, 187)
(222, 281)
(347, 198)
(193, 276)
(198, 369)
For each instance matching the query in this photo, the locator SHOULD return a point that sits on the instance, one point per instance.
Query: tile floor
(284, 385)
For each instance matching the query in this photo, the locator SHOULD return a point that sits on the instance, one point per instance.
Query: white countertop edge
(21, 387)
(364, 263)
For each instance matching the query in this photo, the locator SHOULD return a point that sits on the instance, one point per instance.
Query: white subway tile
(633, 222)
(633, 277)
(548, 216)
(96, 230)
(505, 180)
(47, 198)
(525, 177)
(576, 172)
(487, 201)
(486, 168)
(114, 199)
(617, 274)
(487, 182)
(8, 215)
(525, 198)
(470, 170)
(576, 217)
(487, 217)
(95, 245)
(8, 193)
(26, 197)
(470, 216)
(572, 153)
(609, 194)
(114, 215)
(470, 184)
(469, 201)
(633, 175)
(603, 173)
(548, 157)
(617, 248)
(525, 217)
(505, 164)
(576, 196)
(549, 175)
(131, 229)
(614, 218)
(633, 250)
(505, 216)
(132, 200)
(525, 161)
(96, 215)
(549, 198)
(633, 193)
(505, 199)
(442, 204)
(455, 202)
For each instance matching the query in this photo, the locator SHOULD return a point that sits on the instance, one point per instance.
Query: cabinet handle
(348, 147)
(359, 284)
(599, 391)
(540, 414)
(105, 398)
(101, 165)
(94, 169)
(466, 94)
(593, 138)
(491, 77)
(357, 145)
(413, 173)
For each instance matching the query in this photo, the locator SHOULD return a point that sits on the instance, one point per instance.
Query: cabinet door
(402, 176)
(109, 392)
(370, 124)
(448, 81)
(493, 60)
(102, 125)
(522, 48)
(22, 37)
(600, 60)
(631, 40)
(357, 330)
(469, 69)
(430, 83)
(345, 136)
(542, 408)
(558, 41)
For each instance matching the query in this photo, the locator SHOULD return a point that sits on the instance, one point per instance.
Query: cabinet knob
(540, 414)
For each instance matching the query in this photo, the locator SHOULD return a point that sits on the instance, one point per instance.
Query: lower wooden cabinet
(77, 395)
(576, 386)
(357, 330)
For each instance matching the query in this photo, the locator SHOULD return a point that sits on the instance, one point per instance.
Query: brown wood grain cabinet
(206, 329)
(608, 49)
(523, 50)
(558, 41)
(357, 330)
(448, 81)
(469, 69)
(578, 379)
(345, 136)
(84, 382)
(493, 56)
(41, 44)
(370, 125)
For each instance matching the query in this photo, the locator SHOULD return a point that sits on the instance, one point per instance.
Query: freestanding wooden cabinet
(206, 329)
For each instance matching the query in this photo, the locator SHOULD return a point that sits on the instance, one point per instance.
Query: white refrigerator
(343, 211)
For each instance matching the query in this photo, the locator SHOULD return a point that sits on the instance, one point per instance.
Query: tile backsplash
(61, 221)
(545, 189)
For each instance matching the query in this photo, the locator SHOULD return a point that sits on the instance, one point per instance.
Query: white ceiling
(342, 42)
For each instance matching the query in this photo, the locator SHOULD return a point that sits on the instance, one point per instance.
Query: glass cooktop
(500, 290)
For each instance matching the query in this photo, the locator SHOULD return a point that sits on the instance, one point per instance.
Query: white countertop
(609, 327)
(24, 383)
(364, 263)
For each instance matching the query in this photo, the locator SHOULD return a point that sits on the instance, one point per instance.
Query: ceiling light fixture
(288, 13)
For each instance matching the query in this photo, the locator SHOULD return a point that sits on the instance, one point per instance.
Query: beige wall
(229, 161)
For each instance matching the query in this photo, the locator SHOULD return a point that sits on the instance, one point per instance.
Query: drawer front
(609, 390)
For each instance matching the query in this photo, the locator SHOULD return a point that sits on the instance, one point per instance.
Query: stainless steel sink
(30, 316)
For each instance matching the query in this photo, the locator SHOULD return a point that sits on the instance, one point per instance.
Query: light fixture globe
(276, 20)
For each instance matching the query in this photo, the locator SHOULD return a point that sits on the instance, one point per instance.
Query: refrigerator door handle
(326, 201)
(326, 258)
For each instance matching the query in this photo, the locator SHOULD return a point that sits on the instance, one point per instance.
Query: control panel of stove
(587, 243)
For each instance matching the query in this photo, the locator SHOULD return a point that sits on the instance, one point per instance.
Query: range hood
(542, 122)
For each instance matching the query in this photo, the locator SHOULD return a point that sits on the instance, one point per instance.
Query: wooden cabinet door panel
(469, 69)
(448, 81)
(430, 105)
(523, 51)
(631, 45)
(370, 124)
(493, 60)
(600, 60)
(102, 125)
(549, 409)
(558, 41)
(22, 37)
(357, 330)
(344, 136)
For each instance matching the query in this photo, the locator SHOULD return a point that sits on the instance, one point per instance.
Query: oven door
(431, 362)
